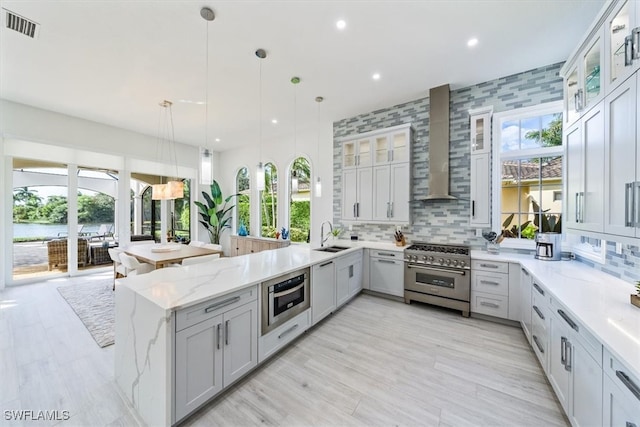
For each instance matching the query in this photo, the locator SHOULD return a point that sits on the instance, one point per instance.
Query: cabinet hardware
(350, 271)
(219, 338)
(633, 388)
(326, 263)
(526, 273)
(388, 209)
(488, 265)
(628, 204)
(628, 50)
(288, 291)
(568, 356)
(386, 254)
(568, 320)
(392, 155)
(419, 267)
(388, 156)
(387, 261)
(354, 211)
(391, 210)
(358, 209)
(221, 304)
(535, 340)
(563, 351)
(473, 208)
(488, 282)
(288, 331)
(577, 207)
(582, 207)
(226, 333)
(635, 43)
(538, 312)
(539, 289)
(489, 304)
(578, 100)
(636, 204)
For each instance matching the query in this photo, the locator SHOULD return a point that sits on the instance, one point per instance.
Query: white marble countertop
(598, 300)
(176, 288)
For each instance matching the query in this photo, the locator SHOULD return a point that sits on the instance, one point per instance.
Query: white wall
(281, 154)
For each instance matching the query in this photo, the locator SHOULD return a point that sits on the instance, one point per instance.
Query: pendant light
(294, 173)
(174, 188)
(261, 54)
(206, 157)
(318, 189)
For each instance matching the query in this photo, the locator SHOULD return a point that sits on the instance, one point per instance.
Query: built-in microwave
(284, 298)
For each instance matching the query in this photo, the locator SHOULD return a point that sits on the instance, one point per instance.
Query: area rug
(94, 304)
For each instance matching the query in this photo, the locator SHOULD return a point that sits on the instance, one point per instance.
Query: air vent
(22, 25)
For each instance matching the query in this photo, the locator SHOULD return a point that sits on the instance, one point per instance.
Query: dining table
(161, 255)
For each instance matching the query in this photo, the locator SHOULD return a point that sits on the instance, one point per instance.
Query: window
(243, 200)
(528, 172)
(269, 202)
(299, 200)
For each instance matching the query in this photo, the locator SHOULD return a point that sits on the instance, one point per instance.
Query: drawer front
(378, 253)
(490, 283)
(540, 340)
(198, 313)
(628, 383)
(496, 267)
(588, 341)
(270, 343)
(492, 305)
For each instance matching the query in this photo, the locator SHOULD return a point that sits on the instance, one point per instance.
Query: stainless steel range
(438, 274)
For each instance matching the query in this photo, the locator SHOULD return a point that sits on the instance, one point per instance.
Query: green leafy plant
(215, 215)
(542, 222)
(336, 232)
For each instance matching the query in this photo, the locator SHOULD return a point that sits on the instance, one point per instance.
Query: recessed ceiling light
(341, 24)
(217, 139)
(472, 42)
(274, 121)
(376, 76)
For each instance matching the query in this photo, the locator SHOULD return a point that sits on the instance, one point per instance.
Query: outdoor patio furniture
(57, 253)
(105, 230)
(99, 252)
(141, 237)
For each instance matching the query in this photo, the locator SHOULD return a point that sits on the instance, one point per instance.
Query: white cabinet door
(619, 64)
(344, 272)
(592, 208)
(574, 163)
(620, 157)
(479, 191)
(400, 193)
(364, 207)
(619, 408)
(381, 193)
(323, 290)
(355, 281)
(349, 193)
(586, 390)
(387, 276)
(480, 127)
(525, 303)
(400, 146)
(198, 365)
(240, 341)
(559, 349)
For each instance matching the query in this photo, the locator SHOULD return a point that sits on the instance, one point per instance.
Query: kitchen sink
(332, 249)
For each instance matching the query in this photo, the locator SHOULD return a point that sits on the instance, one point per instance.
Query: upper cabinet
(620, 32)
(480, 171)
(376, 176)
(480, 133)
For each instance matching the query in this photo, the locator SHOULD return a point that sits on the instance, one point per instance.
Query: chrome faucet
(322, 238)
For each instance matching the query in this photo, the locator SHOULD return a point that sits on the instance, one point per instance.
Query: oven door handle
(462, 273)
(288, 291)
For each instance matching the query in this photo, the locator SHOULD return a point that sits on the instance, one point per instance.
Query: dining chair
(199, 259)
(133, 266)
(118, 268)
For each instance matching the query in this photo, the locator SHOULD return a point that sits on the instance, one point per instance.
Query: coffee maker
(548, 246)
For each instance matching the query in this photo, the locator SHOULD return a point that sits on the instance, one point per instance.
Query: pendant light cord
(206, 95)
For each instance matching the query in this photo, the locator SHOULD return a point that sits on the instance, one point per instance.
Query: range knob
(441, 261)
(414, 258)
(462, 263)
(424, 258)
(430, 259)
(448, 262)
(407, 257)
(455, 263)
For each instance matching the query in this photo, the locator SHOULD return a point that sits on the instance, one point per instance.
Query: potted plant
(635, 299)
(215, 215)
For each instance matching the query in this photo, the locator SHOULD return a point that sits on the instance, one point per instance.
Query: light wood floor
(375, 362)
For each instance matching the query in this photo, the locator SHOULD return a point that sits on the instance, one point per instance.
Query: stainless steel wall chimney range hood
(439, 144)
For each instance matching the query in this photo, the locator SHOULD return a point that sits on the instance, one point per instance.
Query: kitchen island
(147, 307)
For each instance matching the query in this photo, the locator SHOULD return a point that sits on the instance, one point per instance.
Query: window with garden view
(300, 200)
(530, 147)
(243, 201)
(269, 202)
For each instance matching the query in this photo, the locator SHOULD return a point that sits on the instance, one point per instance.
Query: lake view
(47, 230)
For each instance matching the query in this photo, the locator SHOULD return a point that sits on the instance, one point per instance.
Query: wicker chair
(57, 253)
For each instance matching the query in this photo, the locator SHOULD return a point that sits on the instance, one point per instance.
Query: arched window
(243, 200)
(300, 200)
(269, 202)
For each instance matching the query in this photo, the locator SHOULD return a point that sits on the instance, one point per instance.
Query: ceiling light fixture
(341, 24)
(206, 163)
(261, 54)
(318, 189)
(274, 121)
(174, 188)
(376, 76)
(294, 173)
(472, 42)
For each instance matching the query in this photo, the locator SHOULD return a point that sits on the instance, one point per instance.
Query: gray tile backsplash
(444, 221)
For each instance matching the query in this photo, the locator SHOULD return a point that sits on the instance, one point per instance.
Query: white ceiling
(113, 61)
